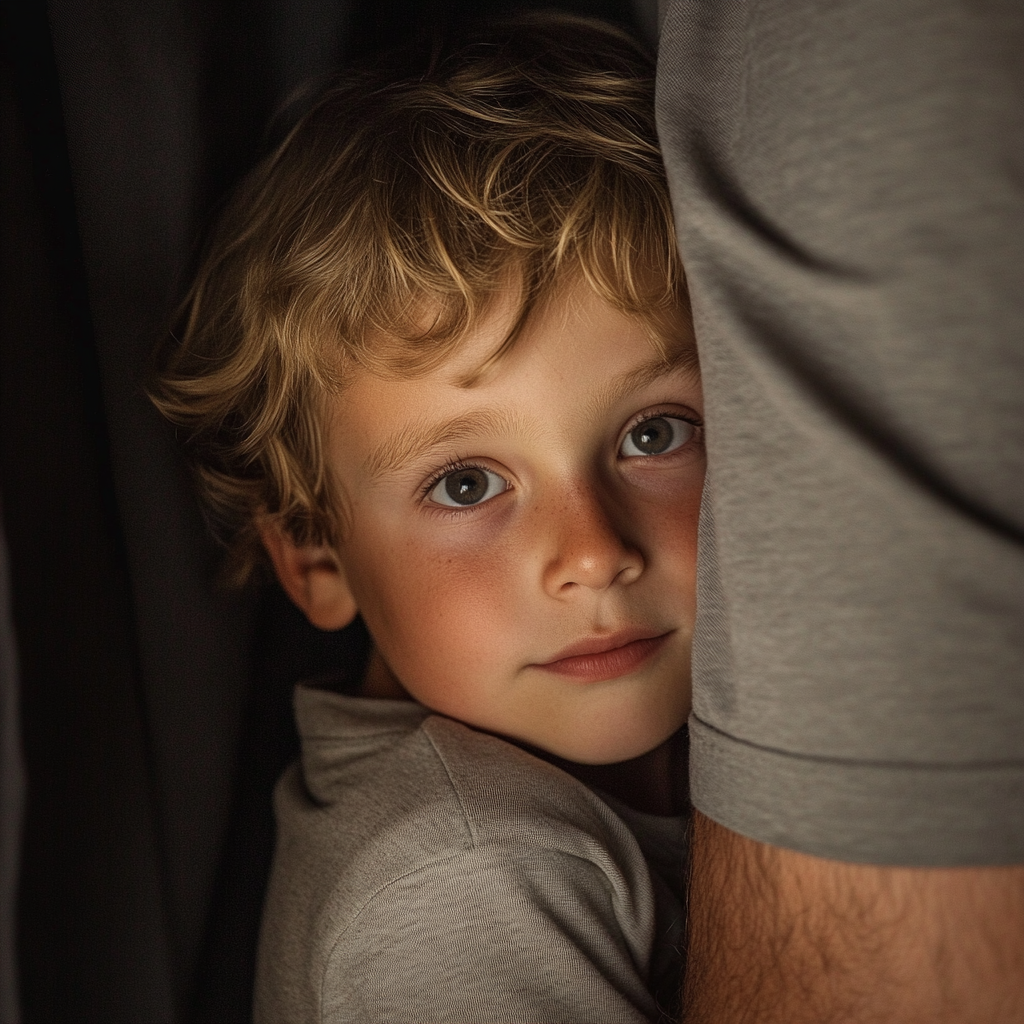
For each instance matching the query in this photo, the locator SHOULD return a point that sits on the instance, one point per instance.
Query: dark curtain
(154, 709)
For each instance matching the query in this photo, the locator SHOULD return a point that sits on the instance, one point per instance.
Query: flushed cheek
(443, 615)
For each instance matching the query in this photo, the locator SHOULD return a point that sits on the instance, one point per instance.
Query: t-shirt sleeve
(848, 184)
(486, 936)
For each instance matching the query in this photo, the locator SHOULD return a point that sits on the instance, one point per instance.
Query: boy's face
(523, 550)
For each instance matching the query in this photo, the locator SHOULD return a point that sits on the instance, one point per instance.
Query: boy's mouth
(607, 657)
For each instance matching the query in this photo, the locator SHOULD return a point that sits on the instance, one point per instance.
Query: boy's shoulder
(387, 791)
(421, 864)
(393, 772)
(400, 829)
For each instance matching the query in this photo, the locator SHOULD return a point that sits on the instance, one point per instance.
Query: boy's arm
(779, 936)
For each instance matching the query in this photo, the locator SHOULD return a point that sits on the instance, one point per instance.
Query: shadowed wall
(155, 711)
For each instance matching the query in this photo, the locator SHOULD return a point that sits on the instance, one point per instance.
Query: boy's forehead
(504, 326)
(481, 353)
(575, 352)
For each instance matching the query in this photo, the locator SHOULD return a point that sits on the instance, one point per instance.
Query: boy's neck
(380, 682)
(655, 782)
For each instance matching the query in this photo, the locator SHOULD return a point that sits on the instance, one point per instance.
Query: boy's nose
(585, 549)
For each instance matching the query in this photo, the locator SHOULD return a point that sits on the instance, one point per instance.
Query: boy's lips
(606, 657)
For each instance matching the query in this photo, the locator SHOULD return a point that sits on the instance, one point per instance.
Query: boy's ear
(312, 577)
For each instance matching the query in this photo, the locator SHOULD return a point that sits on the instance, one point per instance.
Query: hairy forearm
(778, 936)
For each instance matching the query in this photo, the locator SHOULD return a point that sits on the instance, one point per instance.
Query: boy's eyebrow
(413, 441)
(683, 361)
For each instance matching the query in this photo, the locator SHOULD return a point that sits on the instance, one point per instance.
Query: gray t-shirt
(428, 872)
(848, 183)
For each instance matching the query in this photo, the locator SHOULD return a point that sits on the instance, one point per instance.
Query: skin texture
(778, 937)
(579, 539)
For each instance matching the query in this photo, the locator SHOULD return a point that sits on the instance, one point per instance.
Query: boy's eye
(657, 436)
(468, 486)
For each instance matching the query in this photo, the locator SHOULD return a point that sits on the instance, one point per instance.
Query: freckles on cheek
(450, 610)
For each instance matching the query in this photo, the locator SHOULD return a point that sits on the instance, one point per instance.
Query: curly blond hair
(382, 230)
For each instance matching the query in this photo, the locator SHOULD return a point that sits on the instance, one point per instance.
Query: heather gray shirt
(848, 182)
(427, 872)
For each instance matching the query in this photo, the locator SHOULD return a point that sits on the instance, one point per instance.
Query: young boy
(438, 367)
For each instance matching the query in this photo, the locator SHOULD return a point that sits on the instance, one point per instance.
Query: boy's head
(437, 364)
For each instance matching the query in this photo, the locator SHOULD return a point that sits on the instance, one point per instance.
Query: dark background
(154, 710)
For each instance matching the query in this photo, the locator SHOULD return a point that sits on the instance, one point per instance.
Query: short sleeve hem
(920, 815)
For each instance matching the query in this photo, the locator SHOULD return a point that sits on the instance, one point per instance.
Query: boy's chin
(624, 745)
(653, 780)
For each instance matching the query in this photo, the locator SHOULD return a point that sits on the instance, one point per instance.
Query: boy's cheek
(669, 497)
(669, 513)
(437, 612)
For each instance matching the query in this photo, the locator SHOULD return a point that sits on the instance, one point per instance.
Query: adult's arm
(780, 937)
(848, 182)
